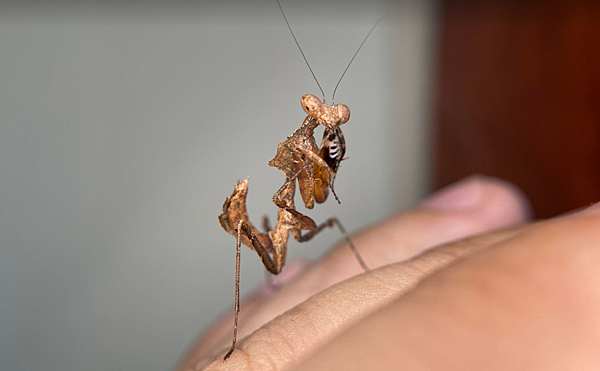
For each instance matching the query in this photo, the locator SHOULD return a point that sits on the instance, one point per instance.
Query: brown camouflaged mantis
(301, 160)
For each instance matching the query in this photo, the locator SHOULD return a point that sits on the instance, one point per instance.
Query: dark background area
(519, 98)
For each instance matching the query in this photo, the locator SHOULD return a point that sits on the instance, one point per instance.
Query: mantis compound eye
(312, 106)
(343, 113)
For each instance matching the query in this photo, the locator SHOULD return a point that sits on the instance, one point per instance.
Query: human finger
(529, 303)
(284, 341)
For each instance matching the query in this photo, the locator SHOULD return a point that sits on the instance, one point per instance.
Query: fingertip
(462, 195)
(506, 202)
(500, 201)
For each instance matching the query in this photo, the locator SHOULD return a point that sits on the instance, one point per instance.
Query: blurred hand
(459, 282)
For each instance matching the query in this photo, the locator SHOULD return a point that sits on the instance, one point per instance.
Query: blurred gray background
(123, 127)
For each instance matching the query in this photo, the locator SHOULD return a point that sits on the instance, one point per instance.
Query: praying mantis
(314, 169)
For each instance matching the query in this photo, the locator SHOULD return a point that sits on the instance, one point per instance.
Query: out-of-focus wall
(123, 128)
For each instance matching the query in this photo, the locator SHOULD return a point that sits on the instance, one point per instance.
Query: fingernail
(287, 274)
(463, 195)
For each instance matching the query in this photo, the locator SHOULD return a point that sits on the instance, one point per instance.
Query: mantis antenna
(308, 64)
(354, 56)
(301, 52)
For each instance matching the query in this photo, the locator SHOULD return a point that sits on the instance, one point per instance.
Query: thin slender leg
(330, 223)
(238, 255)
(244, 228)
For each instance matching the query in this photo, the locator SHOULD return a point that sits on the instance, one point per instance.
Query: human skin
(462, 281)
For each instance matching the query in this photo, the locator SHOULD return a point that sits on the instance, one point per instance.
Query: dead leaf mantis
(313, 167)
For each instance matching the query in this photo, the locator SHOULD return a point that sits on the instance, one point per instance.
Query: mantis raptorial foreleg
(311, 158)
